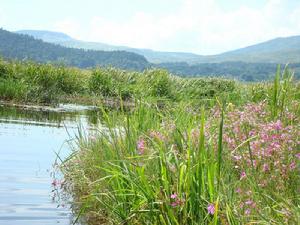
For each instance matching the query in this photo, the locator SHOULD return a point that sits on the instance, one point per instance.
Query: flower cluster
(176, 201)
(263, 149)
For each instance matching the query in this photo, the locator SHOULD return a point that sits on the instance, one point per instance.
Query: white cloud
(2, 19)
(141, 30)
(68, 26)
(205, 26)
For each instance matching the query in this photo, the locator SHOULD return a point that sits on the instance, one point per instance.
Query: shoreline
(67, 105)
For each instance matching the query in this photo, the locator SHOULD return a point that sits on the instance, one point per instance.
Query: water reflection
(28, 142)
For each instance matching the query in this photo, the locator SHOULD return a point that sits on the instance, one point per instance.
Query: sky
(200, 26)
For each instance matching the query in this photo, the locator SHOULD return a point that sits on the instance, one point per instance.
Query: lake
(29, 142)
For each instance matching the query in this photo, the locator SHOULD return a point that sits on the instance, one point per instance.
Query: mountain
(253, 63)
(47, 36)
(24, 47)
(150, 55)
(278, 50)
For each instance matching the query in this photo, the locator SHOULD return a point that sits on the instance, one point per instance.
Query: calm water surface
(29, 141)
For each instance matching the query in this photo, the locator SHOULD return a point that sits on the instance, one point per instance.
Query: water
(29, 140)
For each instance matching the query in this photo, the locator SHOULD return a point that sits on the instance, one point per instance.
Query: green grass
(173, 164)
(46, 84)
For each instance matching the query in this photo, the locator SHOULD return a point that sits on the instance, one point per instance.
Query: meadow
(189, 150)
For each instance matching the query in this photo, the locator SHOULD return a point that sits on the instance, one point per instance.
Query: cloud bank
(200, 26)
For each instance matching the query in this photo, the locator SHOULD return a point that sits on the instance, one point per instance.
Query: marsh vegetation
(232, 161)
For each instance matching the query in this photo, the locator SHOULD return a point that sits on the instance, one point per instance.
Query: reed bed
(232, 162)
(29, 82)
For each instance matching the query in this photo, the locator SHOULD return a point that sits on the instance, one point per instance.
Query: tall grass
(227, 164)
(43, 83)
(143, 173)
(31, 82)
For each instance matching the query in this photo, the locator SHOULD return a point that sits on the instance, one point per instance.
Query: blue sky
(199, 26)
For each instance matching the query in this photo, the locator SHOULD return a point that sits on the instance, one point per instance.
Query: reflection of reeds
(46, 116)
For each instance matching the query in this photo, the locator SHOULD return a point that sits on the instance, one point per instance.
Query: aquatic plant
(229, 164)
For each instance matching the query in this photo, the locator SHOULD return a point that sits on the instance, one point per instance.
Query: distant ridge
(278, 50)
(24, 47)
(47, 36)
(151, 55)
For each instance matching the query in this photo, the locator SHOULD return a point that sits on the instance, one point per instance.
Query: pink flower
(211, 209)
(237, 157)
(251, 133)
(243, 175)
(251, 203)
(292, 166)
(238, 190)
(176, 200)
(157, 135)
(298, 155)
(174, 196)
(141, 146)
(266, 167)
(278, 125)
(174, 204)
(247, 211)
(55, 183)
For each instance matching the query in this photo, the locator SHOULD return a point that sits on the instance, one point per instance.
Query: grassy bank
(29, 82)
(227, 164)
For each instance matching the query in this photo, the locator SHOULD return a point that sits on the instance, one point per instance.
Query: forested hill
(24, 47)
(279, 50)
(239, 70)
(151, 55)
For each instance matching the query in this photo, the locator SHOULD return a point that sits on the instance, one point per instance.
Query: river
(29, 142)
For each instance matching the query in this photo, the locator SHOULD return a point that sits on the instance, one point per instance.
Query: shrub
(101, 83)
(12, 90)
(158, 83)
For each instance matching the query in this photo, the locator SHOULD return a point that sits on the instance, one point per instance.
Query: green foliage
(101, 82)
(185, 165)
(136, 187)
(39, 83)
(45, 83)
(11, 90)
(281, 91)
(157, 83)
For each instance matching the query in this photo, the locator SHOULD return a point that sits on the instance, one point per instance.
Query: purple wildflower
(174, 204)
(238, 190)
(266, 167)
(292, 166)
(247, 212)
(237, 157)
(174, 196)
(141, 146)
(243, 175)
(211, 209)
